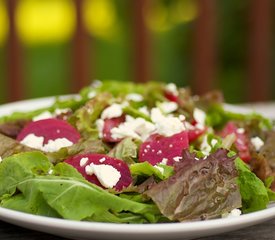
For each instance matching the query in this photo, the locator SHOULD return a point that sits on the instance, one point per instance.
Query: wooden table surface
(264, 231)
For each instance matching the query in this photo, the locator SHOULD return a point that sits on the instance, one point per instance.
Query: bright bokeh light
(157, 17)
(161, 18)
(100, 18)
(3, 23)
(45, 21)
(183, 11)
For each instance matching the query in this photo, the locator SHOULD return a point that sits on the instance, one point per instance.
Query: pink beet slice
(195, 133)
(241, 142)
(50, 129)
(98, 159)
(109, 124)
(157, 148)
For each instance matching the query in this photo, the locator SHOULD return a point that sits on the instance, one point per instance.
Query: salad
(136, 153)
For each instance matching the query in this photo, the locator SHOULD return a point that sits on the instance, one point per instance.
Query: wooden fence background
(204, 50)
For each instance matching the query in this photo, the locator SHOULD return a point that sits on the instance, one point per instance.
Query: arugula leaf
(126, 150)
(146, 169)
(217, 117)
(19, 167)
(71, 103)
(84, 118)
(253, 191)
(26, 185)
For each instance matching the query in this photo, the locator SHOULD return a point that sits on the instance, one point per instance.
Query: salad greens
(145, 153)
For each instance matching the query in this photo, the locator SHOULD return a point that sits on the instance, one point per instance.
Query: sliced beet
(195, 133)
(109, 124)
(171, 97)
(157, 148)
(99, 159)
(50, 129)
(241, 142)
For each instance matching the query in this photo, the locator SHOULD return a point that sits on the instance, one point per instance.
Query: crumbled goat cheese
(113, 111)
(168, 107)
(199, 116)
(182, 117)
(144, 110)
(160, 169)
(234, 213)
(214, 142)
(33, 141)
(83, 161)
(43, 115)
(36, 142)
(205, 147)
(102, 159)
(166, 125)
(91, 94)
(172, 88)
(50, 172)
(100, 125)
(257, 143)
(55, 145)
(1, 160)
(96, 83)
(59, 111)
(107, 175)
(137, 128)
(135, 97)
(164, 161)
(240, 130)
(177, 159)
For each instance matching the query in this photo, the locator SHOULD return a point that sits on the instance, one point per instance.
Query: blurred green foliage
(47, 66)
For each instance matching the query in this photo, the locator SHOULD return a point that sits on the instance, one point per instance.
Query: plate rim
(18, 218)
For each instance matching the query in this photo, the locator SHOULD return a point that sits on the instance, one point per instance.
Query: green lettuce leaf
(253, 191)
(84, 118)
(146, 169)
(30, 183)
(71, 103)
(217, 117)
(126, 150)
(19, 167)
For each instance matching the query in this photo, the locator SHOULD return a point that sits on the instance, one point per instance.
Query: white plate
(93, 230)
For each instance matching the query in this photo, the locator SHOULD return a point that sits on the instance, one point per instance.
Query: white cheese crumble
(164, 161)
(135, 97)
(144, 110)
(83, 161)
(91, 94)
(100, 125)
(113, 111)
(240, 130)
(102, 159)
(234, 213)
(160, 169)
(42, 116)
(200, 117)
(55, 145)
(168, 107)
(172, 88)
(1, 159)
(166, 125)
(137, 128)
(107, 175)
(33, 141)
(36, 142)
(257, 143)
(177, 159)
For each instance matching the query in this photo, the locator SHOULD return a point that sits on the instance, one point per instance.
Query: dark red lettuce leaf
(199, 189)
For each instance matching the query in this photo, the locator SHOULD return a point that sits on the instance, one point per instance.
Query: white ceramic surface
(91, 230)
